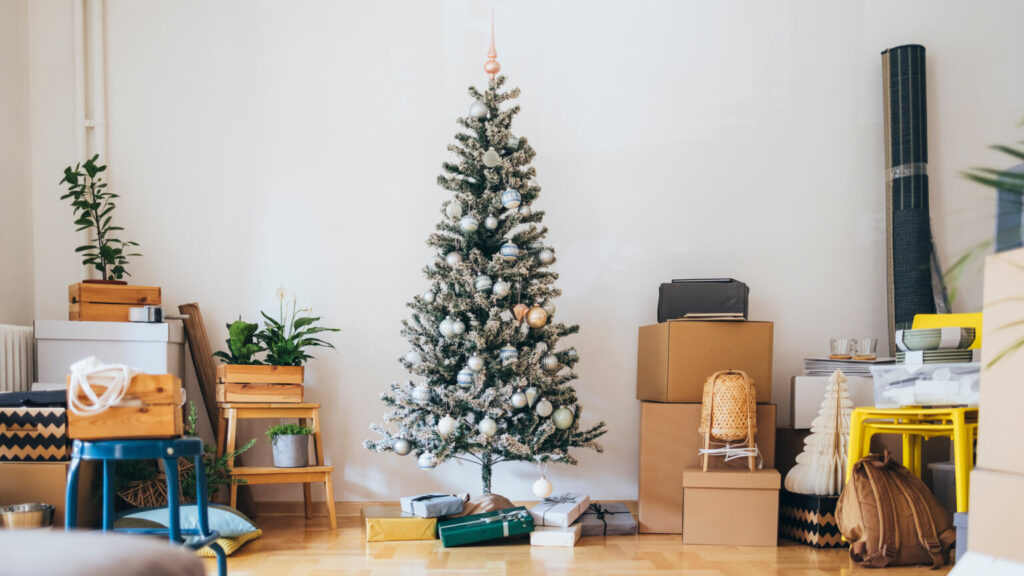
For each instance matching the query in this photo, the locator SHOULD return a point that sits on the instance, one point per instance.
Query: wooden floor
(293, 546)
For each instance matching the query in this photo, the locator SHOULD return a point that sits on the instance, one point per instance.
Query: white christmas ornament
(542, 488)
(525, 210)
(402, 447)
(458, 327)
(491, 158)
(508, 354)
(446, 426)
(549, 362)
(468, 224)
(562, 418)
(453, 259)
(511, 199)
(549, 307)
(518, 400)
(544, 408)
(453, 210)
(546, 256)
(488, 427)
(478, 109)
(428, 297)
(490, 222)
(465, 378)
(421, 393)
(445, 327)
(501, 288)
(821, 468)
(483, 283)
(531, 395)
(509, 251)
(427, 461)
(413, 357)
(475, 363)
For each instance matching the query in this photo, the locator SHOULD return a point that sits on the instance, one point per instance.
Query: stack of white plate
(940, 356)
(928, 343)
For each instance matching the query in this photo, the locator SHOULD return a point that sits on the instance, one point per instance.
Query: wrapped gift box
(434, 505)
(810, 520)
(611, 519)
(487, 526)
(556, 536)
(731, 507)
(388, 523)
(561, 510)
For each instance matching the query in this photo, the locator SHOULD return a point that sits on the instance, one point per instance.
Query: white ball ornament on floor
(501, 288)
(509, 251)
(508, 354)
(531, 395)
(428, 296)
(427, 461)
(445, 327)
(478, 109)
(525, 210)
(475, 363)
(544, 408)
(490, 222)
(458, 327)
(562, 418)
(483, 283)
(488, 427)
(446, 426)
(465, 378)
(511, 199)
(453, 210)
(402, 447)
(549, 362)
(542, 488)
(421, 393)
(491, 158)
(546, 256)
(453, 259)
(518, 400)
(468, 224)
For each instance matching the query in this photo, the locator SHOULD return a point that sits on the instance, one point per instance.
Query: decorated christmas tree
(821, 468)
(493, 383)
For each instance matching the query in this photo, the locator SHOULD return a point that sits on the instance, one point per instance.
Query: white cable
(90, 372)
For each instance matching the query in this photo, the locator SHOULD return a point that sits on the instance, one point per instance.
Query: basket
(728, 410)
(152, 493)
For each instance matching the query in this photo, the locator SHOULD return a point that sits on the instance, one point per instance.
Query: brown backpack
(891, 518)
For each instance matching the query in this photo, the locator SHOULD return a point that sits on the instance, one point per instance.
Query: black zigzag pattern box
(33, 427)
(810, 520)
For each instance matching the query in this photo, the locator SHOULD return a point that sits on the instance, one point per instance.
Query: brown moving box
(1002, 394)
(46, 482)
(675, 358)
(731, 507)
(669, 443)
(997, 514)
(156, 415)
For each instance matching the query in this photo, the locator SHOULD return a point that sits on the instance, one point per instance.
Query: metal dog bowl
(24, 516)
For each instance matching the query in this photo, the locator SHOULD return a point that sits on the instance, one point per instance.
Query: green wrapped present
(487, 526)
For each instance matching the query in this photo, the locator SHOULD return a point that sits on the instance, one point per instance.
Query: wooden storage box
(108, 302)
(150, 409)
(258, 383)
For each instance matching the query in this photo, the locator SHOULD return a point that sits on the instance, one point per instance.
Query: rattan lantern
(729, 413)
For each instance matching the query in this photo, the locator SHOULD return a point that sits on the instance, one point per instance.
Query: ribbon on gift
(552, 501)
(504, 518)
(430, 497)
(601, 512)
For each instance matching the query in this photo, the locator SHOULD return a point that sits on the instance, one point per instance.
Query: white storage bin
(898, 385)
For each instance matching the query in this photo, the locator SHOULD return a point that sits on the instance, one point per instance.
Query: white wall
(15, 180)
(265, 143)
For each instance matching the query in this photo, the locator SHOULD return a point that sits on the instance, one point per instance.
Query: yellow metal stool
(915, 424)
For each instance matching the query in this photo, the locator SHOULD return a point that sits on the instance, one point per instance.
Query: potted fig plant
(284, 341)
(108, 298)
(291, 445)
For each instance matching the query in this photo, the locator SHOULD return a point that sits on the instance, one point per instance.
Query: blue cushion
(224, 519)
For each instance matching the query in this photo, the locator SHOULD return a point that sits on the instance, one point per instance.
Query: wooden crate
(150, 409)
(260, 374)
(108, 302)
(244, 392)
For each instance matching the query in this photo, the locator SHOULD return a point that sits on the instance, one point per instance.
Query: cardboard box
(1002, 394)
(810, 519)
(24, 482)
(674, 359)
(809, 391)
(669, 442)
(389, 523)
(156, 415)
(997, 514)
(731, 507)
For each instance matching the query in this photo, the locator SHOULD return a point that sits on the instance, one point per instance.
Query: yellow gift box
(389, 523)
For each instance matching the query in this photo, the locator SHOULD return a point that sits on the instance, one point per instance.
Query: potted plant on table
(291, 445)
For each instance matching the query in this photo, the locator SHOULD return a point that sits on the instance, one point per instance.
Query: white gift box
(556, 536)
(561, 510)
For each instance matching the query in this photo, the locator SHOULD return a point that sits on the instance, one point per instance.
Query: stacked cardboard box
(673, 361)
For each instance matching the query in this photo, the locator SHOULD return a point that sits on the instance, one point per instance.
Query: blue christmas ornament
(508, 354)
(511, 199)
(465, 377)
(509, 251)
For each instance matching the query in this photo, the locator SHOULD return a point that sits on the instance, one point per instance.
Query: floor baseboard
(353, 508)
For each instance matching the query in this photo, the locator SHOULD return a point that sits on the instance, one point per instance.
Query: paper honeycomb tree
(821, 467)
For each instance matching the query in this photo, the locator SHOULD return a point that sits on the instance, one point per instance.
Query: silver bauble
(402, 447)
(544, 408)
(501, 288)
(562, 418)
(453, 210)
(468, 224)
(491, 158)
(446, 425)
(478, 109)
(465, 377)
(513, 141)
(508, 354)
(571, 352)
(549, 307)
(549, 362)
(413, 357)
(458, 327)
(509, 251)
(475, 363)
(453, 259)
(483, 283)
(531, 395)
(427, 461)
(490, 222)
(525, 210)
(518, 400)
(488, 427)
(428, 296)
(421, 394)
(511, 199)
(445, 327)
(546, 256)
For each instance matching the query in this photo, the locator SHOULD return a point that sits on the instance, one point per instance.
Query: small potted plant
(107, 298)
(291, 445)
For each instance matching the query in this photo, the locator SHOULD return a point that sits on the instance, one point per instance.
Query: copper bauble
(536, 317)
(520, 310)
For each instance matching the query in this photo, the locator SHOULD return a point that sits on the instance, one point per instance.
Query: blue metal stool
(110, 451)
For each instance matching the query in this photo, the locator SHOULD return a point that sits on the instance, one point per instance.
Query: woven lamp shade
(730, 404)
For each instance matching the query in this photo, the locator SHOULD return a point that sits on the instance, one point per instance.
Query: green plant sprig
(242, 344)
(285, 339)
(287, 430)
